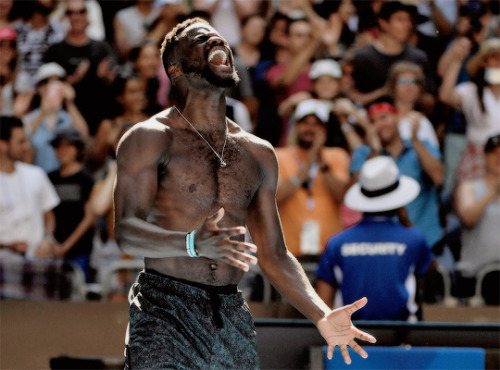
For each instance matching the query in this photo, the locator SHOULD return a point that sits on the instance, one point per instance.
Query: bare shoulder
(261, 150)
(149, 138)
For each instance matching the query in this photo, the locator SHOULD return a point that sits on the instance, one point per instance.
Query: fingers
(365, 336)
(215, 218)
(345, 354)
(329, 353)
(358, 349)
(353, 307)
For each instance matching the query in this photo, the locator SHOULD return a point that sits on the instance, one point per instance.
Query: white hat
(381, 187)
(48, 70)
(311, 106)
(325, 67)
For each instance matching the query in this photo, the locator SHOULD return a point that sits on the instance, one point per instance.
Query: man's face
(76, 11)
(308, 129)
(18, 146)
(399, 26)
(386, 126)
(204, 53)
(492, 160)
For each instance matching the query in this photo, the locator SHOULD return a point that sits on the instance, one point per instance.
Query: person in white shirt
(27, 198)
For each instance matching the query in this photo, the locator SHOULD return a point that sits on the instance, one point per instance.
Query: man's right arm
(139, 154)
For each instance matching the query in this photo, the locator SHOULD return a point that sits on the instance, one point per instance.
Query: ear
(174, 71)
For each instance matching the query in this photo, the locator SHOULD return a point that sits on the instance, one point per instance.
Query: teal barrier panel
(401, 358)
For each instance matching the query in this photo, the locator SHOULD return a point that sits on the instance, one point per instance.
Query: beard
(303, 143)
(209, 75)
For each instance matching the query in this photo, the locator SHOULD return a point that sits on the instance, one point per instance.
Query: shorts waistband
(211, 289)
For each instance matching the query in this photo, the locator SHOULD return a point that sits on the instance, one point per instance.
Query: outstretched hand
(338, 330)
(214, 242)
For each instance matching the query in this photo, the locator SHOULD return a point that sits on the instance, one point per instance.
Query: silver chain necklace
(221, 156)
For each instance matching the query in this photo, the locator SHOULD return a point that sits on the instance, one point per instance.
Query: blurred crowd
(330, 84)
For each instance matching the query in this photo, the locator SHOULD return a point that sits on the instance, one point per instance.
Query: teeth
(218, 57)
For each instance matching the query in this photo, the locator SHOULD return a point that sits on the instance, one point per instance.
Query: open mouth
(218, 57)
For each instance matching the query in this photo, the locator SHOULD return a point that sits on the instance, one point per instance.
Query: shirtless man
(188, 180)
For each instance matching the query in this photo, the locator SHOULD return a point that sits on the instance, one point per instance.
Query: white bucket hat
(380, 187)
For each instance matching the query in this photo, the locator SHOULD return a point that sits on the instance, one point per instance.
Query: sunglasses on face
(406, 81)
(72, 12)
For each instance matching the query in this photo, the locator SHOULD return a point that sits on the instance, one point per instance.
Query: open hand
(338, 330)
(215, 243)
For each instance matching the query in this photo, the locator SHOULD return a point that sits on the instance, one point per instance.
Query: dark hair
(171, 41)
(7, 123)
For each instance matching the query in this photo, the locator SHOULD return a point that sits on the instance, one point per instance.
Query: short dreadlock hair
(172, 39)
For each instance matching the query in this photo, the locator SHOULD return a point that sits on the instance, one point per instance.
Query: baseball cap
(69, 135)
(325, 67)
(49, 70)
(7, 33)
(311, 106)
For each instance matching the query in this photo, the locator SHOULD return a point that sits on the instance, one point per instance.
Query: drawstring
(215, 304)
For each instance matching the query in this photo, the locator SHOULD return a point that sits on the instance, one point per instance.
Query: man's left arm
(287, 275)
(428, 157)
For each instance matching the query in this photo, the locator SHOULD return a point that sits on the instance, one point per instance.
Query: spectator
(8, 70)
(325, 75)
(6, 13)
(74, 231)
(95, 29)
(414, 158)
(226, 16)
(27, 198)
(311, 183)
(478, 99)
(405, 85)
(131, 98)
(372, 62)
(292, 76)
(41, 123)
(478, 206)
(88, 64)
(274, 50)
(34, 36)
(341, 26)
(146, 61)
(133, 24)
(377, 257)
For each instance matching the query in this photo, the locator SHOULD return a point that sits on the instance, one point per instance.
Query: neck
(394, 147)
(206, 110)
(6, 164)
(495, 90)
(403, 107)
(77, 38)
(144, 7)
(69, 169)
(387, 44)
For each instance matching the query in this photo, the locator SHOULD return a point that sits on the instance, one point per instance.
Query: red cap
(7, 33)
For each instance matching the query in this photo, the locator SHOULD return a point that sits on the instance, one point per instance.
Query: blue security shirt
(377, 259)
(423, 211)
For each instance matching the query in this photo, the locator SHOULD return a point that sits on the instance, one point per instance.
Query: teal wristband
(190, 249)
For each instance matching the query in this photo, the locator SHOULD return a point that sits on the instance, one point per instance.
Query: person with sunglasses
(88, 65)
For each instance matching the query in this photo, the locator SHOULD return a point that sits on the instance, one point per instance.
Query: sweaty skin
(169, 182)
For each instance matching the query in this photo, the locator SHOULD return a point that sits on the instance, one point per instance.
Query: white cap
(325, 67)
(312, 106)
(48, 70)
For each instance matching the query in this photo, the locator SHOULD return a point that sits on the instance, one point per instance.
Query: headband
(379, 108)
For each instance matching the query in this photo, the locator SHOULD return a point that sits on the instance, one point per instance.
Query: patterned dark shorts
(176, 324)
